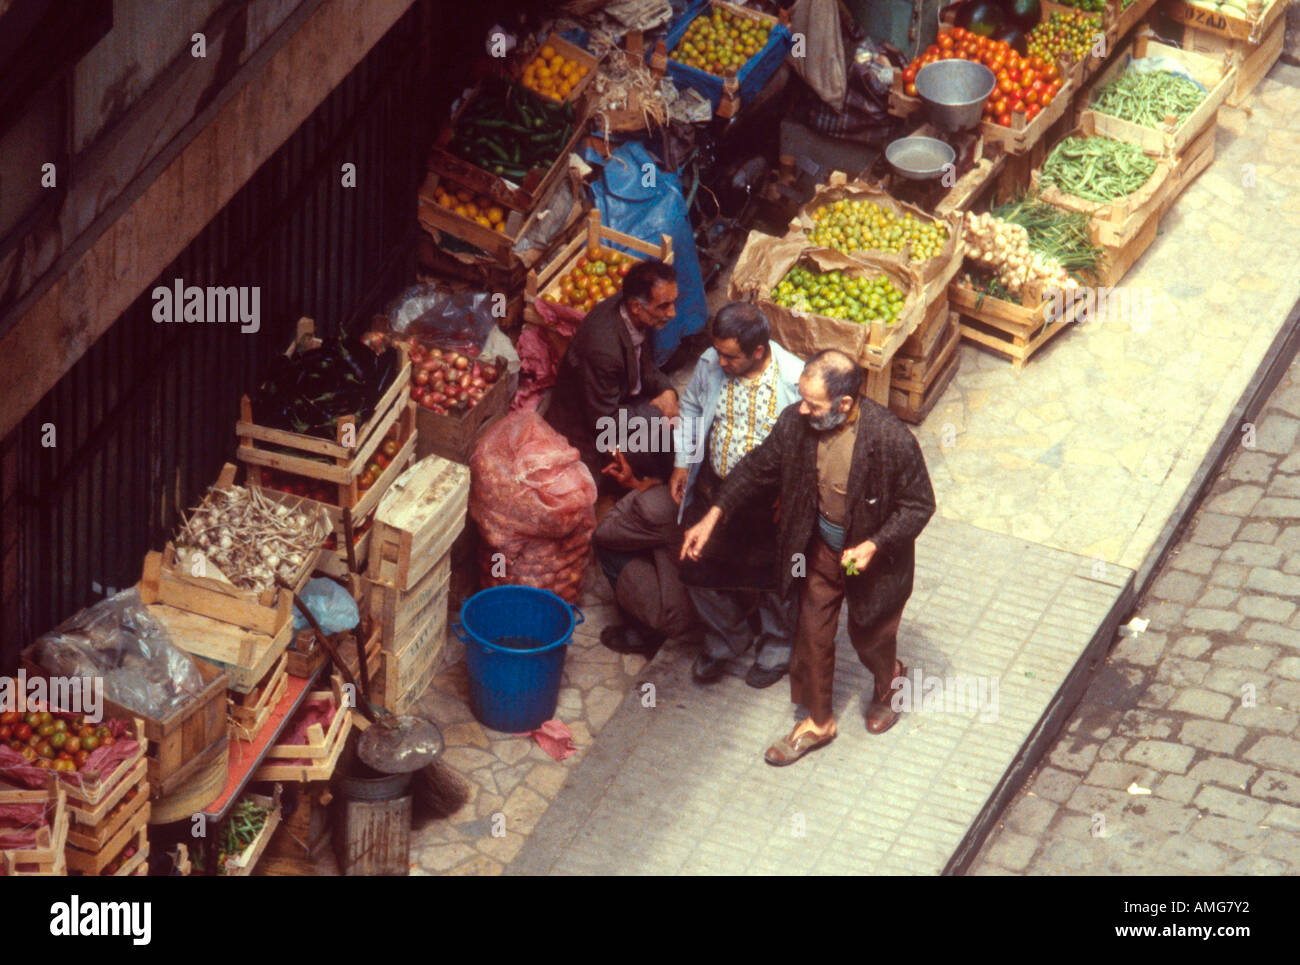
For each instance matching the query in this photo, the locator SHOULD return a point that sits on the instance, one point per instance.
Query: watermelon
(1014, 38)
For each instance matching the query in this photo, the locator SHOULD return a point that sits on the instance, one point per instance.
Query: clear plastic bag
(119, 640)
(449, 320)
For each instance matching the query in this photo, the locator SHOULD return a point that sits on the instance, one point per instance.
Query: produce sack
(822, 66)
(641, 199)
(119, 640)
(935, 272)
(449, 320)
(534, 503)
(765, 260)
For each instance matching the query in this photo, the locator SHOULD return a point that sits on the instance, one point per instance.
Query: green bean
(1148, 97)
(1097, 168)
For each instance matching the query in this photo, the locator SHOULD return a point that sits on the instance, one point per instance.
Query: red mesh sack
(535, 506)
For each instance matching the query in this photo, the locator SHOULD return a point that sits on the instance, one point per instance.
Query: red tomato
(909, 75)
(1045, 97)
(1000, 106)
(23, 731)
(909, 90)
(10, 717)
(1031, 98)
(1004, 120)
(1032, 111)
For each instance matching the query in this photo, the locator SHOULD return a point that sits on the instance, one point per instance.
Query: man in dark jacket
(855, 494)
(609, 394)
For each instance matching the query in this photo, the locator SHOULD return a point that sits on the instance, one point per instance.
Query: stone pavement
(680, 786)
(1184, 756)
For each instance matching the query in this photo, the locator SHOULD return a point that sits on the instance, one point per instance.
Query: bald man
(855, 494)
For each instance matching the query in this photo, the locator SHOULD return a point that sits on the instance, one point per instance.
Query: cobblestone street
(1184, 757)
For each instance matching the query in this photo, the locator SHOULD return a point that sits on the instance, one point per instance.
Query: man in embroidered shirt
(732, 402)
(855, 494)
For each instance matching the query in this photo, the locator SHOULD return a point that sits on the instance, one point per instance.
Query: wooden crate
(374, 837)
(536, 185)
(396, 611)
(585, 241)
(96, 837)
(135, 834)
(170, 580)
(570, 52)
(403, 701)
(418, 520)
(1227, 25)
(1216, 74)
(304, 829)
(1253, 43)
(912, 398)
(921, 344)
(242, 865)
(323, 747)
(306, 655)
(339, 461)
(249, 712)
(1015, 331)
(455, 436)
(45, 856)
(174, 742)
(1117, 222)
(90, 853)
(245, 656)
(416, 649)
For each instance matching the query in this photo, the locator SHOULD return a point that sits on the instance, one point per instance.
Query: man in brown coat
(855, 494)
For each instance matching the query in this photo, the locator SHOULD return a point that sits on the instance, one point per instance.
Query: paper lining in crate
(1216, 74)
(765, 261)
(1116, 222)
(935, 272)
(183, 577)
(316, 759)
(339, 461)
(417, 521)
(45, 856)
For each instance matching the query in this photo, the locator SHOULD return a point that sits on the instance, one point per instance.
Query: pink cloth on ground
(555, 738)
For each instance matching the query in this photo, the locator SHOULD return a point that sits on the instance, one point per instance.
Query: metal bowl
(919, 158)
(954, 92)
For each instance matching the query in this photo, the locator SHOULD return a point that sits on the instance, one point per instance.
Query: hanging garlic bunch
(1004, 247)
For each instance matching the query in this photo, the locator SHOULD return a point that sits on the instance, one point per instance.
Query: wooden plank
(94, 837)
(1015, 331)
(126, 778)
(242, 864)
(1227, 24)
(909, 408)
(417, 521)
(320, 742)
(93, 862)
(243, 655)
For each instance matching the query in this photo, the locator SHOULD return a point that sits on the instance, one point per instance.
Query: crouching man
(855, 494)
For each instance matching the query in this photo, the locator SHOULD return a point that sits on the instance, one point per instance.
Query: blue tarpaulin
(637, 197)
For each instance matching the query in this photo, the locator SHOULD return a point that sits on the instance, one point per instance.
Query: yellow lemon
(495, 214)
(548, 52)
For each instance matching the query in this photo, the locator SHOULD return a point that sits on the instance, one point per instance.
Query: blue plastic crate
(751, 77)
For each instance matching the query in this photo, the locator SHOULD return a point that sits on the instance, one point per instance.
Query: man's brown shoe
(790, 748)
(880, 713)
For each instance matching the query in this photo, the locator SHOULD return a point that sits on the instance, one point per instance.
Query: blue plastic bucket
(515, 640)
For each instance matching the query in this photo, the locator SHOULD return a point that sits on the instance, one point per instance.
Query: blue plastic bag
(637, 197)
(331, 605)
(756, 72)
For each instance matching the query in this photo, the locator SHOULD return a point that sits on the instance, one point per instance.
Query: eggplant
(1025, 14)
(1015, 39)
(980, 17)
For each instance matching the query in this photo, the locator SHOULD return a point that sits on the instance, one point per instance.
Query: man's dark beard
(832, 420)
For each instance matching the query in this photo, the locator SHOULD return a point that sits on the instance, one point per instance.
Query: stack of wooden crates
(409, 571)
